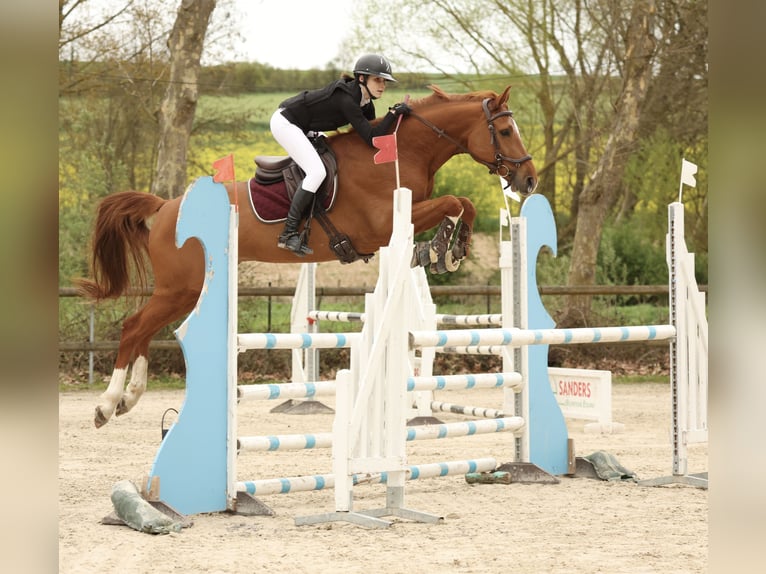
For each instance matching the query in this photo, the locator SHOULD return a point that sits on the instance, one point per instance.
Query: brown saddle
(271, 169)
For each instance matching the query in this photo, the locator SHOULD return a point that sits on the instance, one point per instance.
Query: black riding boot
(290, 238)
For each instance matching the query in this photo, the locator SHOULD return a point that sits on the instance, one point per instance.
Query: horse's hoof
(121, 409)
(99, 419)
(443, 265)
(421, 254)
(438, 268)
(459, 253)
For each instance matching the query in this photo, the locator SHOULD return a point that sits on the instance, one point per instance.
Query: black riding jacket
(334, 106)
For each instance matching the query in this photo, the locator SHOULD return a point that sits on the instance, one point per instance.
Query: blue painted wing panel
(547, 427)
(191, 462)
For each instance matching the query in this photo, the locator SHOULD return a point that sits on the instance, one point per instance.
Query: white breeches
(297, 145)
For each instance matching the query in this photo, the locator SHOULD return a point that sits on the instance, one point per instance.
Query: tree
(602, 189)
(179, 105)
(118, 63)
(674, 120)
(113, 60)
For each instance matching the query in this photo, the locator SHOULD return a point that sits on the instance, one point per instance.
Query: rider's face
(376, 85)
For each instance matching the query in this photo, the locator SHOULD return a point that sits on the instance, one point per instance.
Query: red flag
(225, 168)
(387, 146)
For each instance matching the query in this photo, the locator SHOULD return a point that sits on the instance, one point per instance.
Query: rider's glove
(400, 109)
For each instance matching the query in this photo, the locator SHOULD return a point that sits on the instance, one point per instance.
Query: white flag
(688, 169)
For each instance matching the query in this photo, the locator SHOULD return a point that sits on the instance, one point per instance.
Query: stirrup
(282, 240)
(294, 242)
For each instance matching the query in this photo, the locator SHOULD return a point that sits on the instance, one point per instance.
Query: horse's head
(497, 136)
(490, 135)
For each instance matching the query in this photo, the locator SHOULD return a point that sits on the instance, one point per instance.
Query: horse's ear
(437, 91)
(502, 98)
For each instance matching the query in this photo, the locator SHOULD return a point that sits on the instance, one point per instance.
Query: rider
(344, 101)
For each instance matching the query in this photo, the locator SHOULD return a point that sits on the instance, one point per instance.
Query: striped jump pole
(276, 391)
(487, 319)
(249, 341)
(465, 428)
(325, 440)
(524, 337)
(284, 442)
(477, 350)
(481, 380)
(337, 316)
(481, 412)
(441, 318)
(322, 481)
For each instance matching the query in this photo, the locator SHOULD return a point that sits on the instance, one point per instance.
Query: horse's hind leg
(109, 399)
(130, 348)
(137, 332)
(139, 373)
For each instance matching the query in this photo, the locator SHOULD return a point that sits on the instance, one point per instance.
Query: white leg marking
(136, 387)
(110, 397)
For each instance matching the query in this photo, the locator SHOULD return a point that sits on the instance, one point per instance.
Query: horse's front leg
(455, 213)
(432, 253)
(462, 247)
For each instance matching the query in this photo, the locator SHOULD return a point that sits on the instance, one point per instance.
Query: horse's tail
(120, 236)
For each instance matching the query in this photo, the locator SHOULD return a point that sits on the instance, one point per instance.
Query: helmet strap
(364, 84)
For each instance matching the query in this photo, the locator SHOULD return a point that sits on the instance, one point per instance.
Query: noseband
(499, 167)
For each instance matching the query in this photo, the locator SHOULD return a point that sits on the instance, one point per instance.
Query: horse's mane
(440, 96)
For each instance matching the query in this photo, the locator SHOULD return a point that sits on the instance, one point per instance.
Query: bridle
(498, 167)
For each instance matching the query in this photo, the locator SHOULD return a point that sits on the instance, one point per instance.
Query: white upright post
(688, 355)
(513, 269)
(232, 320)
(304, 300)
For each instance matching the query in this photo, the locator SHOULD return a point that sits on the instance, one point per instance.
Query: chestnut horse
(439, 127)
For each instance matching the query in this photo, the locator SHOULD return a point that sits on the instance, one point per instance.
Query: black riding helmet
(374, 65)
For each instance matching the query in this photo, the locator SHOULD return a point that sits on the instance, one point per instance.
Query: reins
(494, 168)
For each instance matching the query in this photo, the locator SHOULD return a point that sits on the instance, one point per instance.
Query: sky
(299, 34)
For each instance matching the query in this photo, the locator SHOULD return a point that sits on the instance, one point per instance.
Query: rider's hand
(400, 109)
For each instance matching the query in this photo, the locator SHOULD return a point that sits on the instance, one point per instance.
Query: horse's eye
(505, 132)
